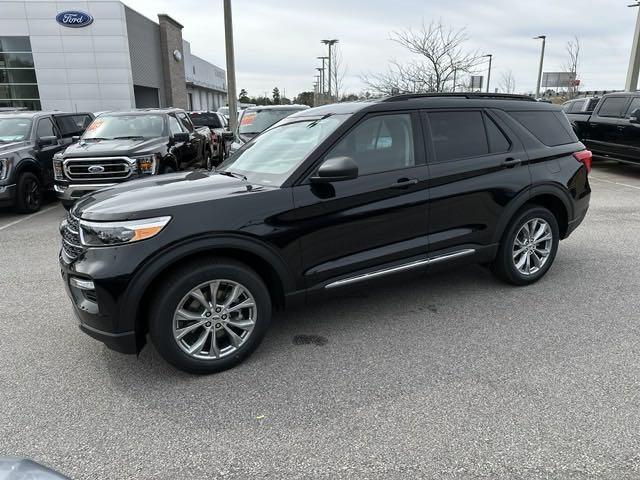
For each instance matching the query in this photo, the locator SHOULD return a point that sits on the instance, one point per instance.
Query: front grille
(108, 168)
(70, 231)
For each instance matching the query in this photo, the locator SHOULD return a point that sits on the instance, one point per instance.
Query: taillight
(585, 157)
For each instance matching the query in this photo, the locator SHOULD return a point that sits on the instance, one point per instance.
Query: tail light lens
(585, 157)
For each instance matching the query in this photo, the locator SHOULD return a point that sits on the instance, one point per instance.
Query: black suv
(325, 199)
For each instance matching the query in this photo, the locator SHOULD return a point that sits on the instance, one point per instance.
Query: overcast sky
(277, 41)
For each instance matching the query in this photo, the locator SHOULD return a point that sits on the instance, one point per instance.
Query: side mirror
(336, 169)
(47, 141)
(181, 137)
(635, 116)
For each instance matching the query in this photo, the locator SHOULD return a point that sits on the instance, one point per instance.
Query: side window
(379, 144)
(458, 135)
(174, 125)
(45, 128)
(186, 123)
(498, 143)
(550, 128)
(635, 104)
(566, 107)
(613, 107)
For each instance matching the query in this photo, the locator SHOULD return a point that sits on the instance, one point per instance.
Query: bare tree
(507, 82)
(338, 71)
(572, 64)
(440, 55)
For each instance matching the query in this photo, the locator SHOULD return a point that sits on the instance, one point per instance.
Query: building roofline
(170, 19)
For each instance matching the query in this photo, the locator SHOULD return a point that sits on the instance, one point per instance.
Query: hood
(9, 147)
(156, 195)
(107, 148)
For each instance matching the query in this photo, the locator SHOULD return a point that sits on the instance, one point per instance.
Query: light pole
(317, 102)
(321, 81)
(489, 72)
(544, 42)
(231, 67)
(324, 59)
(634, 61)
(330, 43)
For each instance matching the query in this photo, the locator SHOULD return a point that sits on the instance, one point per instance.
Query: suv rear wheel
(28, 193)
(528, 247)
(209, 317)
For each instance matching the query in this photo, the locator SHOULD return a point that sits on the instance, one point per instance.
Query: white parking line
(615, 183)
(15, 222)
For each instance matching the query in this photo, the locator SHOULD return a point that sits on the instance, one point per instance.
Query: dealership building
(100, 55)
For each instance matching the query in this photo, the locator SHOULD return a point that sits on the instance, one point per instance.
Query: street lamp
(544, 41)
(330, 43)
(323, 75)
(321, 72)
(231, 67)
(489, 73)
(634, 61)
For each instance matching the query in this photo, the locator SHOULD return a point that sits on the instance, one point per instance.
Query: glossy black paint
(30, 156)
(305, 235)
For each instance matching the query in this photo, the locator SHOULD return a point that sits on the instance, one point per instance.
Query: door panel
(377, 218)
(605, 134)
(629, 140)
(467, 196)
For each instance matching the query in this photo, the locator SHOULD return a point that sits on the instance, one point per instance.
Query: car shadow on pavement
(613, 167)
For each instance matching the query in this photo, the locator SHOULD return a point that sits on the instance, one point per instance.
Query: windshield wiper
(231, 174)
(96, 139)
(129, 137)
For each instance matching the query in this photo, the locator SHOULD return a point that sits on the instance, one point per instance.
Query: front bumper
(69, 193)
(7, 194)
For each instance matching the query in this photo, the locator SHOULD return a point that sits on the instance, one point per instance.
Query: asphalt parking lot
(450, 376)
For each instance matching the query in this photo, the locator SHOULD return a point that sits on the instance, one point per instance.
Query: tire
(29, 194)
(167, 169)
(208, 159)
(176, 294)
(511, 262)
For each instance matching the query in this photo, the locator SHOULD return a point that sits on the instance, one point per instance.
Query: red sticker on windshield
(247, 118)
(95, 124)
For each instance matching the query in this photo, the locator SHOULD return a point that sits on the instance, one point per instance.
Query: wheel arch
(253, 253)
(28, 165)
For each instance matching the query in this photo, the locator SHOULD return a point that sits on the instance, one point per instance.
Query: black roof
(432, 100)
(36, 113)
(143, 111)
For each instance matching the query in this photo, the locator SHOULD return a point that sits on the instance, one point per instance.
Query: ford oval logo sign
(74, 19)
(96, 169)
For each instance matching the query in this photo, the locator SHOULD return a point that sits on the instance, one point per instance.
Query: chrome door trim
(400, 268)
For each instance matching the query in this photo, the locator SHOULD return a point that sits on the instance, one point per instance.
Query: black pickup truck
(613, 130)
(28, 142)
(221, 136)
(122, 146)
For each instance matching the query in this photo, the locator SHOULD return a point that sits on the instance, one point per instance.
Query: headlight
(4, 168)
(146, 164)
(57, 167)
(105, 234)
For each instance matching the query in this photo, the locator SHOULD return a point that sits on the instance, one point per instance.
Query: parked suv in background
(255, 120)
(578, 112)
(121, 146)
(328, 198)
(613, 130)
(221, 137)
(28, 142)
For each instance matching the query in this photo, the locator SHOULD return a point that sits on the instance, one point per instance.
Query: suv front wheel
(209, 316)
(528, 247)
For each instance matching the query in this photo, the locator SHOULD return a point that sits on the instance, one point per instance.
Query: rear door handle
(511, 162)
(405, 183)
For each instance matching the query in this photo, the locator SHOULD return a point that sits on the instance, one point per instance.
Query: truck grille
(106, 168)
(70, 231)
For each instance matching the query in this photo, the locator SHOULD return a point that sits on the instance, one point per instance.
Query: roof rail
(476, 96)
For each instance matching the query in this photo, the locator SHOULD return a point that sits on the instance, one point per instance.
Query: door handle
(511, 162)
(405, 183)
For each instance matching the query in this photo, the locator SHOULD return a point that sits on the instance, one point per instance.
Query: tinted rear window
(458, 135)
(210, 120)
(549, 127)
(613, 107)
(577, 106)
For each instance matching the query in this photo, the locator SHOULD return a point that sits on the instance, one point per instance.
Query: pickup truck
(613, 130)
(122, 146)
(221, 136)
(578, 112)
(28, 142)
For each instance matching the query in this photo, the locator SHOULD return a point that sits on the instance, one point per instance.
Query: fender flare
(525, 196)
(167, 257)
(24, 163)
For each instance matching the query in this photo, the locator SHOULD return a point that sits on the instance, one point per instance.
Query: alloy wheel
(32, 194)
(532, 246)
(214, 320)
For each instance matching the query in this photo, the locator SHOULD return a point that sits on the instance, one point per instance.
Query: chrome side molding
(400, 268)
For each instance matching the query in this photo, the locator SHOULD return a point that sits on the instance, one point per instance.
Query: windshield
(14, 129)
(257, 121)
(210, 120)
(224, 110)
(108, 127)
(270, 158)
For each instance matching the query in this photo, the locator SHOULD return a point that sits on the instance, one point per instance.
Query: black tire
(167, 169)
(29, 194)
(174, 290)
(504, 266)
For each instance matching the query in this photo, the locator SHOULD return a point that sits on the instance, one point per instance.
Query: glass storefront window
(17, 76)
(19, 91)
(16, 60)
(15, 44)
(18, 82)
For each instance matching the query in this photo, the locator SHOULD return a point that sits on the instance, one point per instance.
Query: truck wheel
(529, 246)
(210, 315)
(28, 193)
(167, 169)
